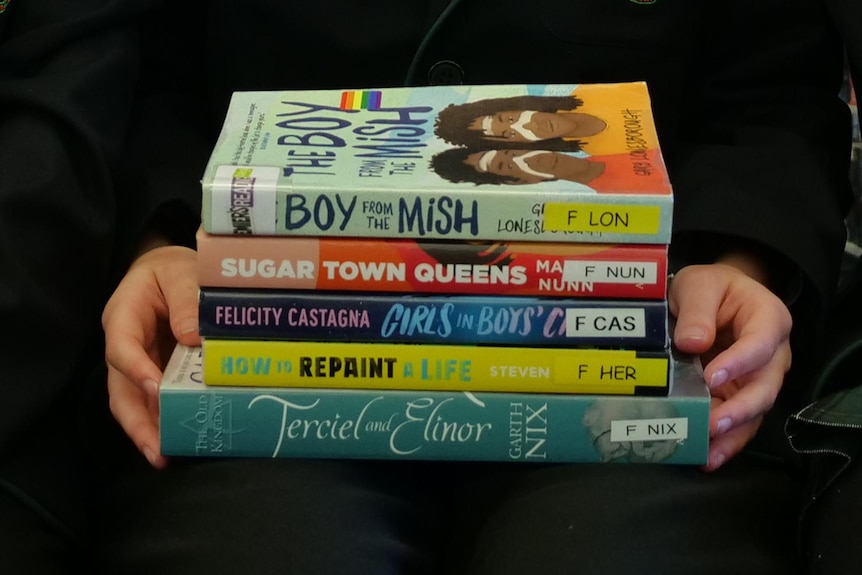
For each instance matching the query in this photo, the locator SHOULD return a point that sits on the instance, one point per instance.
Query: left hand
(741, 331)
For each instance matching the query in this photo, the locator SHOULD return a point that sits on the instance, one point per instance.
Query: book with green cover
(573, 163)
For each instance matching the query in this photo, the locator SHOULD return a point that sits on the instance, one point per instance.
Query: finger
(694, 299)
(762, 340)
(128, 341)
(180, 289)
(132, 410)
(727, 445)
(754, 397)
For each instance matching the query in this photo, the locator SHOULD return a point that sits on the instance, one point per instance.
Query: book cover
(400, 318)
(201, 420)
(274, 363)
(589, 270)
(496, 162)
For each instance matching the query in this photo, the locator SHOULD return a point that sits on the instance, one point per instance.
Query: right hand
(154, 306)
(741, 331)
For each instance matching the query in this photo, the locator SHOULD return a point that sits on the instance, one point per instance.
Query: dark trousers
(32, 542)
(45, 502)
(340, 517)
(833, 527)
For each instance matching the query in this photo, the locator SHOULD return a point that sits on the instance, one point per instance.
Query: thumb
(694, 297)
(180, 288)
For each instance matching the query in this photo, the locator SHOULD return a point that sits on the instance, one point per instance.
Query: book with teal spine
(198, 420)
(563, 163)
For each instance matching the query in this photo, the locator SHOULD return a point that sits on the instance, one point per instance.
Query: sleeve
(171, 128)
(763, 158)
(67, 71)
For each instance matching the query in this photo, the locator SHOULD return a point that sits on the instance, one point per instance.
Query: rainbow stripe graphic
(360, 100)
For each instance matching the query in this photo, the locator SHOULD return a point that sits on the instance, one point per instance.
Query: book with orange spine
(621, 271)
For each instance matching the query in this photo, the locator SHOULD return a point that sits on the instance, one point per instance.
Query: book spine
(435, 367)
(435, 425)
(623, 271)
(492, 320)
(514, 213)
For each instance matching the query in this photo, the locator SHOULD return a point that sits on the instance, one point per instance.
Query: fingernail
(150, 455)
(718, 378)
(722, 425)
(718, 460)
(694, 333)
(151, 387)
(188, 325)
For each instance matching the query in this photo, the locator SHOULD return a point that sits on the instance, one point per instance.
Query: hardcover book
(400, 318)
(588, 270)
(576, 163)
(201, 420)
(275, 363)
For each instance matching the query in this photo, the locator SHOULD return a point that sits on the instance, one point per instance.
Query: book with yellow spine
(435, 367)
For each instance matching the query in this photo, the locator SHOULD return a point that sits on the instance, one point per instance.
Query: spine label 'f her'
(431, 366)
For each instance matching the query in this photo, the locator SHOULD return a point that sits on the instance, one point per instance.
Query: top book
(572, 163)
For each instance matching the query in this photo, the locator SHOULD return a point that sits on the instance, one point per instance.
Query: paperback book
(275, 363)
(401, 318)
(578, 163)
(200, 420)
(587, 270)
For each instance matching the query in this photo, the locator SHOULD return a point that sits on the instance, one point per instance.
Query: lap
(833, 525)
(306, 516)
(32, 543)
(264, 516)
(637, 519)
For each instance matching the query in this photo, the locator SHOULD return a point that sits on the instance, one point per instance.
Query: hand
(741, 330)
(153, 307)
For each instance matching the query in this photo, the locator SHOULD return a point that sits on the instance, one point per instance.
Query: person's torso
(269, 44)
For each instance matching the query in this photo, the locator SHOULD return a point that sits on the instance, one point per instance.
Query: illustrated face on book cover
(533, 126)
(514, 166)
(547, 122)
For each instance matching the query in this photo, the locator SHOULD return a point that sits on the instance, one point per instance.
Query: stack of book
(458, 273)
